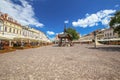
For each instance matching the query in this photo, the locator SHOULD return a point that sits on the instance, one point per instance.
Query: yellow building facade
(12, 31)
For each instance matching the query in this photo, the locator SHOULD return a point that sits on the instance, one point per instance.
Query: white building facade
(109, 34)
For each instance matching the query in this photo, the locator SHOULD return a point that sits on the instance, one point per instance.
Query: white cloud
(102, 16)
(67, 21)
(105, 21)
(117, 5)
(83, 35)
(23, 13)
(50, 33)
(87, 15)
(59, 33)
(52, 38)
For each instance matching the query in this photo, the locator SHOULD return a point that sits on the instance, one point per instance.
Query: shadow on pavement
(55, 46)
(109, 48)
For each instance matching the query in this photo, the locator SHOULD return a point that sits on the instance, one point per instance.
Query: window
(0, 26)
(17, 31)
(13, 30)
(10, 30)
(105, 34)
(110, 34)
(23, 32)
(5, 29)
(10, 19)
(20, 32)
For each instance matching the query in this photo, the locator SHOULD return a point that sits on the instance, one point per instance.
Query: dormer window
(10, 19)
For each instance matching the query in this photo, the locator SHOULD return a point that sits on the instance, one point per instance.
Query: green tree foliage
(115, 22)
(73, 32)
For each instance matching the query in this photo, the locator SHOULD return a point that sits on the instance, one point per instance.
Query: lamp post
(95, 39)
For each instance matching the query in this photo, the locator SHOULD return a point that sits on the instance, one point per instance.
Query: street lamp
(95, 39)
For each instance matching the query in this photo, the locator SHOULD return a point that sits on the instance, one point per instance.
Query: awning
(114, 39)
(5, 38)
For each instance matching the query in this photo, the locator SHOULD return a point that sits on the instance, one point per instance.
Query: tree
(115, 22)
(73, 32)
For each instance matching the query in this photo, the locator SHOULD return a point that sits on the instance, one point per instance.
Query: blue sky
(49, 16)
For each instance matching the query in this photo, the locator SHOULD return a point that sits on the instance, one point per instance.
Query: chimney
(6, 16)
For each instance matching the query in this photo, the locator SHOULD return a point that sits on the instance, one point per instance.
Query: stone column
(29, 41)
(95, 41)
(22, 44)
(10, 43)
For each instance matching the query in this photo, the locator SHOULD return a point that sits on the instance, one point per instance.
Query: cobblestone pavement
(80, 62)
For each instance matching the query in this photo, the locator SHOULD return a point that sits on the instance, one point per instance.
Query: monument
(65, 39)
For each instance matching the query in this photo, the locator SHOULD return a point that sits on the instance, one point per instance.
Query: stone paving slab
(80, 62)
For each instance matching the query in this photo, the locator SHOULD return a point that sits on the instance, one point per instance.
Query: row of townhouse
(12, 31)
(87, 38)
(102, 35)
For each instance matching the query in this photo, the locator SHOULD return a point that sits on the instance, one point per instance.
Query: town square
(81, 62)
(59, 39)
